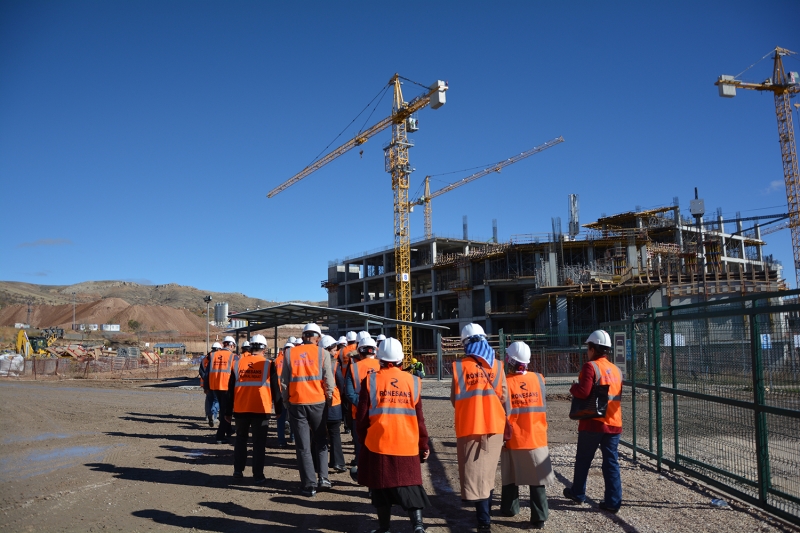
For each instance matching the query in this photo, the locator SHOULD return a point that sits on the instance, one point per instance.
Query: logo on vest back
(394, 383)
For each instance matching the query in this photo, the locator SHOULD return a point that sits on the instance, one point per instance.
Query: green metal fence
(713, 390)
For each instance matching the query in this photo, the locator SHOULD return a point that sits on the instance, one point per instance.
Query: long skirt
(526, 467)
(477, 465)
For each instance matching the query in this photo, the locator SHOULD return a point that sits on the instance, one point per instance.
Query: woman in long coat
(525, 459)
(394, 439)
(480, 397)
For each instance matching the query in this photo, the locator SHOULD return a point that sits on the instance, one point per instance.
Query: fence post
(158, 366)
(649, 371)
(762, 445)
(633, 385)
(438, 355)
(675, 417)
(33, 364)
(657, 377)
(86, 370)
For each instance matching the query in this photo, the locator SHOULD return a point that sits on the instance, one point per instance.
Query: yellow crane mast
(784, 85)
(427, 196)
(396, 163)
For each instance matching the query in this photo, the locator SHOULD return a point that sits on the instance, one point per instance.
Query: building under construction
(560, 285)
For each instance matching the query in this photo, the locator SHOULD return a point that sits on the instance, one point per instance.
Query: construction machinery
(396, 163)
(784, 85)
(29, 346)
(427, 196)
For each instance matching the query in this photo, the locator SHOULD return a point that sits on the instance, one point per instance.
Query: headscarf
(478, 346)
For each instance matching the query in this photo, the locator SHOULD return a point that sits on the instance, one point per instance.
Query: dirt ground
(127, 455)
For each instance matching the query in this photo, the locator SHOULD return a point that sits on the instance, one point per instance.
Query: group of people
(360, 381)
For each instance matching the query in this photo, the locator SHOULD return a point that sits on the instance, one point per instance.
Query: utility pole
(73, 311)
(207, 300)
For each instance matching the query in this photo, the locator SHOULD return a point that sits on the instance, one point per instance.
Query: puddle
(43, 436)
(67, 453)
(36, 462)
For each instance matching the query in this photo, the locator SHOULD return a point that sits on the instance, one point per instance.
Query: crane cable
(381, 93)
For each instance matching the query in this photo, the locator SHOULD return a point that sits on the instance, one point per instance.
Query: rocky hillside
(171, 295)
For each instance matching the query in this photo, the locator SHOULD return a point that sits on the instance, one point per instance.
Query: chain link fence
(715, 392)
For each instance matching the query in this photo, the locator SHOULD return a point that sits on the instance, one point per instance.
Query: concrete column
(552, 270)
(758, 247)
(633, 259)
(561, 321)
(739, 229)
(724, 249)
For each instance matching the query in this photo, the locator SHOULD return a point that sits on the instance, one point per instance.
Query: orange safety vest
(251, 392)
(528, 408)
(393, 427)
(279, 363)
(220, 373)
(344, 355)
(610, 375)
(477, 399)
(337, 398)
(305, 384)
(359, 371)
(204, 365)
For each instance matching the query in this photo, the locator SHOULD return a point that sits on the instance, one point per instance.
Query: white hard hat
(292, 340)
(351, 336)
(327, 341)
(470, 330)
(245, 344)
(600, 338)
(520, 352)
(313, 328)
(289, 345)
(367, 341)
(298, 341)
(258, 339)
(229, 339)
(216, 346)
(380, 337)
(362, 335)
(342, 340)
(391, 351)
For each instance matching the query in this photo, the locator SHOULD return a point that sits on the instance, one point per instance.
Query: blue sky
(138, 140)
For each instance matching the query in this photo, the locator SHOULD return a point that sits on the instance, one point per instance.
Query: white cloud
(774, 185)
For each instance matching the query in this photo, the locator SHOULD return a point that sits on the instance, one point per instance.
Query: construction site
(560, 286)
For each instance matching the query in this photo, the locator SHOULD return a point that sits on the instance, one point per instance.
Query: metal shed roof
(297, 313)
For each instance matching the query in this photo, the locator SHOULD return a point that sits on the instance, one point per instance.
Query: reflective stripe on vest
(393, 426)
(477, 400)
(305, 383)
(220, 371)
(337, 398)
(252, 395)
(527, 415)
(365, 366)
(610, 375)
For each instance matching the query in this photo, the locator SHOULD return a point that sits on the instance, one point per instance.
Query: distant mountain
(170, 295)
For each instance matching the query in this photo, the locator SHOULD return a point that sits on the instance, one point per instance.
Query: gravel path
(117, 455)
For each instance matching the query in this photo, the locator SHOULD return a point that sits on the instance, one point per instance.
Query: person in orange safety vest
(525, 459)
(604, 432)
(394, 439)
(362, 363)
(480, 397)
(307, 385)
(334, 423)
(219, 375)
(211, 402)
(284, 415)
(254, 384)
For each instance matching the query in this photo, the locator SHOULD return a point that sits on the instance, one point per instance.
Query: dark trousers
(311, 441)
(244, 424)
(509, 502)
(335, 453)
(588, 442)
(281, 428)
(224, 429)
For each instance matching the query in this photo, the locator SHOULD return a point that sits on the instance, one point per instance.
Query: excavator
(29, 346)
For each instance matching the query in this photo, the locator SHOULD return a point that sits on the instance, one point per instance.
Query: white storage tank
(221, 313)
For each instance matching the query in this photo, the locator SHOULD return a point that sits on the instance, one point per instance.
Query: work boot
(416, 520)
(384, 519)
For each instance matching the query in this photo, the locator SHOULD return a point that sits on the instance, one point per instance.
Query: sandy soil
(113, 455)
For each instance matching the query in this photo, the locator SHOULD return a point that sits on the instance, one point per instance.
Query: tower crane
(396, 163)
(427, 196)
(784, 86)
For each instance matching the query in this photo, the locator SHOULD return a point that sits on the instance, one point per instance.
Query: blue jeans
(212, 405)
(588, 442)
